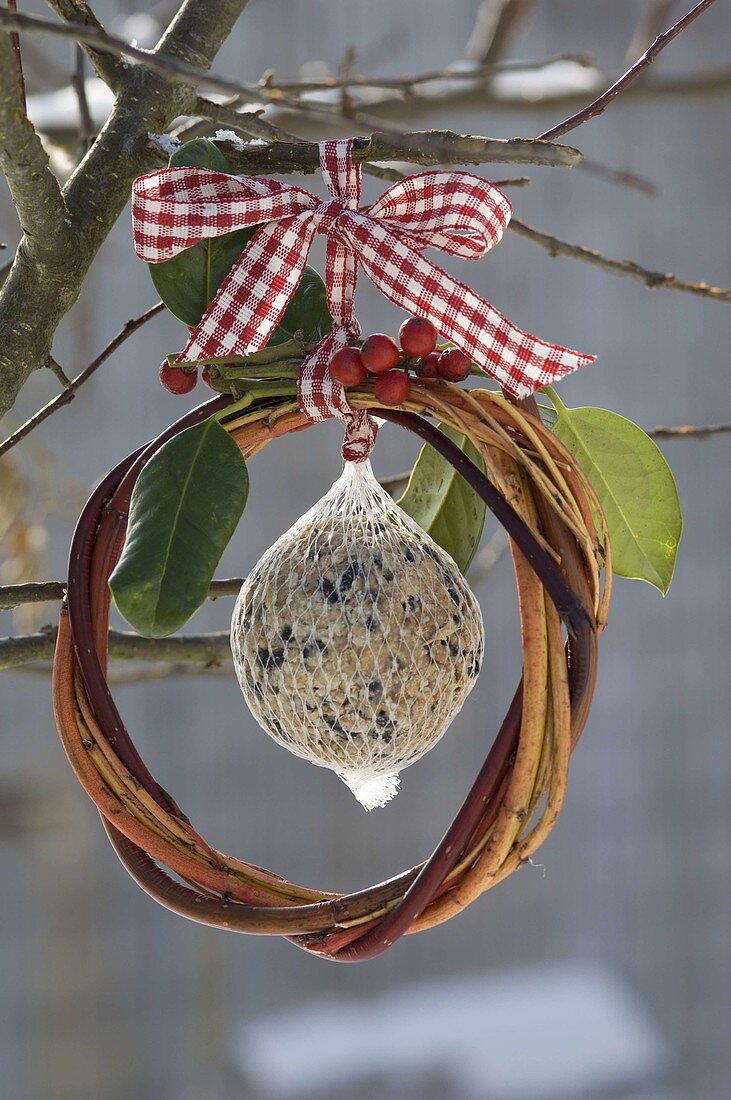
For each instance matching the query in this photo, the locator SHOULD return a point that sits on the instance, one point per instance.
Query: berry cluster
(379, 355)
(182, 379)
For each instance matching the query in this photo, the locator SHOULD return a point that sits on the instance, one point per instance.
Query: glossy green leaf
(189, 281)
(442, 502)
(635, 486)
(185, 507)
(307, 312)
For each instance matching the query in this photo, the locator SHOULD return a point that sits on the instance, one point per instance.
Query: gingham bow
(456, 212)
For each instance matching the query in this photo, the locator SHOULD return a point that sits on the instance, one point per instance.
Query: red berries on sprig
(380, 356)
(176, 379)
(418, 337)
(453, 365)
(348, 368)
(392, 388)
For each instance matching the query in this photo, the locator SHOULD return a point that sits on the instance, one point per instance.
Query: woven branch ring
(561, 558)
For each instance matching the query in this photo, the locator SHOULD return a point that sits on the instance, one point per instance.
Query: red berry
(177, 380)
(392, 387)
(379, 353)
(427, 367)
(454, 365)
(346, 367)
(417, 337)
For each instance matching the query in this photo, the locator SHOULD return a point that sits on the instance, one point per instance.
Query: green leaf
(442, 502)
(199, 153)
(189, 281)
(635, 486)
(307, 312)
(185, 507)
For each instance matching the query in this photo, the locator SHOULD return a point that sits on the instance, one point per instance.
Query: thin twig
(67, 395)
(15, 43)
(655, 14)
(652, 279)
(492, 92)
(409, 81)
(209, 650)
(108, 68)
(599, 105)
(102, 42)
(621, 176)
(78, 83)
(655, 280)
(173, 68)
(13, 595)
(690, 431)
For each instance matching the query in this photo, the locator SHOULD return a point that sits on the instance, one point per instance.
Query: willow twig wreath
(552, 515)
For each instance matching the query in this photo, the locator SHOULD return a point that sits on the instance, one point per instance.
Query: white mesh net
(355, 638)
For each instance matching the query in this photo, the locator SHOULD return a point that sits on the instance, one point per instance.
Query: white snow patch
(236, 141)
(166, 142)
(548, 1032)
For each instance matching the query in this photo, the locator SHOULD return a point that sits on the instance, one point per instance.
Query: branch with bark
(69, 392)
(600, 104)
(46, 277)
(208, 650)
(654, 280)
(424, 147)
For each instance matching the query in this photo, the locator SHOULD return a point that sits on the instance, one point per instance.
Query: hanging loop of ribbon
(456, 212)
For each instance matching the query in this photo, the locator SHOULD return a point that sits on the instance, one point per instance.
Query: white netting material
(356, 639)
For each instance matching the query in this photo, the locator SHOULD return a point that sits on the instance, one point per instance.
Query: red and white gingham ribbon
(461, 214)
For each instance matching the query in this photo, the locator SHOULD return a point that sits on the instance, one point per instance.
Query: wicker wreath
(559, 547)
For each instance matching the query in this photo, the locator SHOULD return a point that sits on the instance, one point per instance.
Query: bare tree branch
(78, 83)
(176, 68)
(599, 105)
(655, 280)
(36, 296)
(496, 23)
(620, 176)
(690, 431)
(410, 81)
(68, 394)
(13, 595)
(15, 43)
(424, 147)
(78, 14)
(24, 162)
(208, 650)
(459, 90)
(655, 15)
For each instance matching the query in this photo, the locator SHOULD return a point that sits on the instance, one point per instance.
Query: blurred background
(604, 970)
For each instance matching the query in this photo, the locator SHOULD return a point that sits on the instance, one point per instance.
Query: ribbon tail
(320, 397)
(520, 362)
(255, 293)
